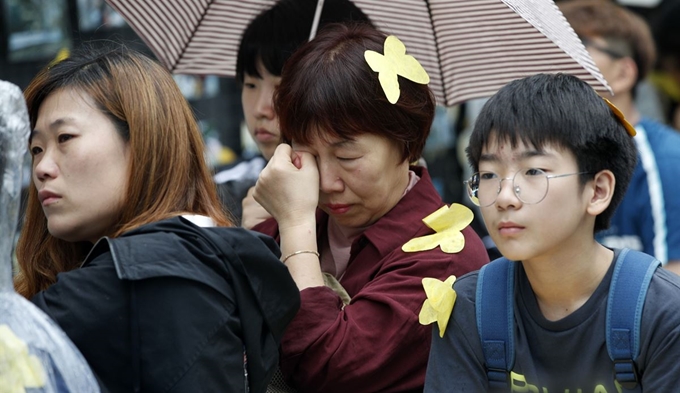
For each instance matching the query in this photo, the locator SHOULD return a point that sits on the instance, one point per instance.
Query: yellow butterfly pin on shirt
(395, 62)
(439, 303)
(447, 222)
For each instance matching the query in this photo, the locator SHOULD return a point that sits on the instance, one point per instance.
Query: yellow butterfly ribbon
(622, 119)
(439, 303)
(18, 369)
(448, 222)
(395, 63)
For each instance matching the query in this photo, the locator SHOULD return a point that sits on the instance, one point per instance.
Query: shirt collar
(404, 221)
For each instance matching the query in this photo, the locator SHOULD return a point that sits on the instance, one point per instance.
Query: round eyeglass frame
(472, 192)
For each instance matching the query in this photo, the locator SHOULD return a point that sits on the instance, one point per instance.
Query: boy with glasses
(552, 162)
(621, 44)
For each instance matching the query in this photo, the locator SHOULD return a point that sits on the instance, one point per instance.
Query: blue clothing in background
(648, 218)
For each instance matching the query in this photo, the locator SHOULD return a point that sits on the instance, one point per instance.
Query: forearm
(304, 267)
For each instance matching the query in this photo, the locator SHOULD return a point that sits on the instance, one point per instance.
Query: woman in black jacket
(125, 245)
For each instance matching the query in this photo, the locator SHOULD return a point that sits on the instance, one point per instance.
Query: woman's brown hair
(168, 173)
(328, 89)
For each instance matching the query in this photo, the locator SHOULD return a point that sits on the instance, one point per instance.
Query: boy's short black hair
(277, 32)
(564, 112)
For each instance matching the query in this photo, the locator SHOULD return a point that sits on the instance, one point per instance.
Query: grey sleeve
(456, 362)
(659, 360)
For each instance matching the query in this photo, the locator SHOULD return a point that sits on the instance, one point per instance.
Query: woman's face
(80, 166)
(360, 180)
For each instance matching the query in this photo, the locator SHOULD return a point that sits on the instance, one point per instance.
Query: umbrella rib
(191, 38)
(436, 46)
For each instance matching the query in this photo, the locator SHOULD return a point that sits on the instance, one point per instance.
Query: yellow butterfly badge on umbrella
(395, 62)
(621, 118)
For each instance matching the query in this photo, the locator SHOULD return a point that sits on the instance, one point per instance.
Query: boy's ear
(602, 191)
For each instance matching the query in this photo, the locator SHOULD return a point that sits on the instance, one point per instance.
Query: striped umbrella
(470, 48)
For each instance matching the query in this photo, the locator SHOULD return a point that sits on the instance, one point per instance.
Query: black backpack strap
(495, 319)
(627, 293)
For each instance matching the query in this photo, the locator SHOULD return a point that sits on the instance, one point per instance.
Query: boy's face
(524, 231)
(257, 98)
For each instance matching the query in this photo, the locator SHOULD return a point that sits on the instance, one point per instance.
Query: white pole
(317, 17)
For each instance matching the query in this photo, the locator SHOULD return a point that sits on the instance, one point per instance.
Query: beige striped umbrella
(470, 48)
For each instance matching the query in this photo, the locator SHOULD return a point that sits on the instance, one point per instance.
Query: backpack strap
(495, 319)
(627, 292)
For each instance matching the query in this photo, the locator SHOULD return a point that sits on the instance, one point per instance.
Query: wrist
(299, 252)
(298, 222)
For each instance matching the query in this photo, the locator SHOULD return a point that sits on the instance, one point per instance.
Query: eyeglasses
(530, 185)
(614, 54)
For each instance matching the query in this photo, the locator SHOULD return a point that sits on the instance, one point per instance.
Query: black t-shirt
(569, 355)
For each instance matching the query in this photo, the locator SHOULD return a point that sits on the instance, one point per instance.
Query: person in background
(268, 41)
(552, 160)
(346, 208)
(666, 77)
(622, 47)
(125, 243)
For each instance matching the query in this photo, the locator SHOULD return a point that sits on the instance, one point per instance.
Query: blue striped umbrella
(470, 48)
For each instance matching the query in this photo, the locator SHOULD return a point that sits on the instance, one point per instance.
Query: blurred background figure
(125, 243)
(666, 30)
(35, 354)
(621, 45)
(268, 41)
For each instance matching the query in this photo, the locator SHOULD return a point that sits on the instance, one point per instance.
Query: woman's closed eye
(64, 138)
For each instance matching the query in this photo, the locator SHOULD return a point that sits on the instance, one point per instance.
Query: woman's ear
(602, 191)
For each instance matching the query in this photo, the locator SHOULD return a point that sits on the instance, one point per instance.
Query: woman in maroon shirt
(344, 200)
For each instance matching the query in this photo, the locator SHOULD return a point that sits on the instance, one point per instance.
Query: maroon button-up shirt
(374, 344)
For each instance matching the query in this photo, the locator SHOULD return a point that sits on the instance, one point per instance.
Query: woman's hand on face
(288, 187)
